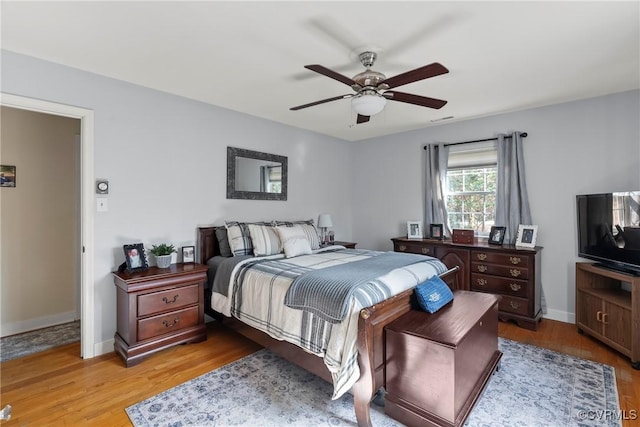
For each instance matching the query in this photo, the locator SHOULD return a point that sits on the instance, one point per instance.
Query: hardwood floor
(56, 387)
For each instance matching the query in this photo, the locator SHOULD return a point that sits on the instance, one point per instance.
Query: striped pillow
(239, 237)
(265, 240)
(294, 241)
(308, 229)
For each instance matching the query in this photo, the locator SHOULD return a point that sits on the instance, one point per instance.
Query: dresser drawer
(514, 305)
(158, 302)
(167, 323)
(499, 285)
(414, 248)
(498, 258)
(500, 270)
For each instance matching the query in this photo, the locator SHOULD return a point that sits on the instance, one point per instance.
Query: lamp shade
(368, 105)
(324, 220)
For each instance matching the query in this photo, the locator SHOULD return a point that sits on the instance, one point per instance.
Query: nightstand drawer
(499, 285)
(167, 323)
(158, 302)
(500, 270)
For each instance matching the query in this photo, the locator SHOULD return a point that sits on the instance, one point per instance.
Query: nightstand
(159, 308)
(348, 245)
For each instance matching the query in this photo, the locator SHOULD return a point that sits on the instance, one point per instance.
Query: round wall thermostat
(102, 187)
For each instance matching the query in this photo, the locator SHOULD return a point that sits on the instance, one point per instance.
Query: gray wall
(166, 157)
(579, 147)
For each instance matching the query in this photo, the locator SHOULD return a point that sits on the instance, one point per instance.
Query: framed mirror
(254, 175)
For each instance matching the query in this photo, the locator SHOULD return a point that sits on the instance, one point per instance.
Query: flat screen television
(609, 229)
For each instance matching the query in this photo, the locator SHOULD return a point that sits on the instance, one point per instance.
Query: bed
(363, 330)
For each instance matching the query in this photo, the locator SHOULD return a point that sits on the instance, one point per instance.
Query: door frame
(87, 345)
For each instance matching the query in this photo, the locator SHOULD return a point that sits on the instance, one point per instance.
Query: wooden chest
(437, 364)
(159, 308)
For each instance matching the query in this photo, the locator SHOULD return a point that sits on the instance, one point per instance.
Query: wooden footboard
(370, 343)
(371, 351)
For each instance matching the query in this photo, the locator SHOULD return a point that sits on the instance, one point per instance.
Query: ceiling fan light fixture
(367, 104)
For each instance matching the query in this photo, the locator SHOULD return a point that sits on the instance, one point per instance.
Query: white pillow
(294, 241)
(265, 239)
(308, 229)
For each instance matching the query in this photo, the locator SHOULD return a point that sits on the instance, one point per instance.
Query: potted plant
(163, 252)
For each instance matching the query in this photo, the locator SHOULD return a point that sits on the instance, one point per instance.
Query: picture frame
(7, 176)
(135, 257)
(188, 254)
(496, 236)
(437, 231)
(414, 229)
(527, 235)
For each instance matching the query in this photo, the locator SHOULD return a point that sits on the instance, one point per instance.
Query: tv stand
(607, 310)
(619, 269)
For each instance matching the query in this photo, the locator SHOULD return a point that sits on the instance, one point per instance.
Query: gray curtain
(435, 210)
(512, 200)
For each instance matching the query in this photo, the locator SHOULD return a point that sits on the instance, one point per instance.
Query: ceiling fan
(372, 88)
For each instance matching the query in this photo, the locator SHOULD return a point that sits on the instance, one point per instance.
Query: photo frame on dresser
(437, 231)
(527, 235)
(188, 254)
(135, 257)
(414, 229)
(496, 236)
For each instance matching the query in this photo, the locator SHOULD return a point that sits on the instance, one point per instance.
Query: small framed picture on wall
(414, 229)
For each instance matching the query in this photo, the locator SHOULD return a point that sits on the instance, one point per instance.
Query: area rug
(533, 387)
(20, 345)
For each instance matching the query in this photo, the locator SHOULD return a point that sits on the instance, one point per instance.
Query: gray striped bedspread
(257, 290)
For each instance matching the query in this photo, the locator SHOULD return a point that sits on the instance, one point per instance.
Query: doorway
(86, 251)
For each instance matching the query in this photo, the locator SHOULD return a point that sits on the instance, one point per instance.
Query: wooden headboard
(207, 244)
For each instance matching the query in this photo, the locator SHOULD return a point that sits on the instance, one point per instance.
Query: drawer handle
(402, 248)
(166, 300)
(482, 282)
(168, 325)
(425, 251)
(514, 260)
(604, 318)
(515, 286)
(482, 257)
(514, 305)
(515, 272)
(482, 268)
(599, 316)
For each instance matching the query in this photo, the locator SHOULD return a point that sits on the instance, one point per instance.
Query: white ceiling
(249, 56)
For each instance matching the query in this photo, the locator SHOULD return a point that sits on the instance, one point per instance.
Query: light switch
(101, 204)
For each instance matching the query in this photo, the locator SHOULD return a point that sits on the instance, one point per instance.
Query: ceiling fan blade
(409, 98)
(311, 104)
(362, 119)
(330, 73)
(421, 73)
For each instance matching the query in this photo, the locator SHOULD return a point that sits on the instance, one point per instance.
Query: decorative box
(459, 235)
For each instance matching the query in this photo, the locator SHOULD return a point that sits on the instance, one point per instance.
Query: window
(471, 187)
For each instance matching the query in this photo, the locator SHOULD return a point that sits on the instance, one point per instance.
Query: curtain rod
(523, 135)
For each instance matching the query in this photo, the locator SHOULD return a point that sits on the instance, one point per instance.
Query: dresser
(159, 308)
(504, 270)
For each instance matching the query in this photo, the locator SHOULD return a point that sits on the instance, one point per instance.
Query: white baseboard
(561, 316)
(12, 328)
(103, 347)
